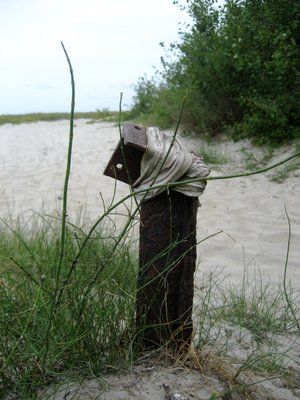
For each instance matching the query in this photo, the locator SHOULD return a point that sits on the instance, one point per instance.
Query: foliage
(145, 95)
(211, 156)
(93, 341)
(240, 66)
(155, 103)
(283, 173)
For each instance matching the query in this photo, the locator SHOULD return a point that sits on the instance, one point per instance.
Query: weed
(257, 159)
(88, 342)
(250, 324)
(212, 156)
(283, 173)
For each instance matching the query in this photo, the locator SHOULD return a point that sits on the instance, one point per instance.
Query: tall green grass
(87, 343)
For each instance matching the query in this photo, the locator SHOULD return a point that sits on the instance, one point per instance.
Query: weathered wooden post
(167, 255)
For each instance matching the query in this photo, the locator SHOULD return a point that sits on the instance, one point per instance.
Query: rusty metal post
(167, 266)
(167, 254)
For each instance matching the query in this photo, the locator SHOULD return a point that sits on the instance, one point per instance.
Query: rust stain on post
(167, 266)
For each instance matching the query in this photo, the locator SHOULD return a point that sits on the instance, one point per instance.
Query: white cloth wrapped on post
(167, 160)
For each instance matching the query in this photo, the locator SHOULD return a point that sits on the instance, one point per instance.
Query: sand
(248, 212)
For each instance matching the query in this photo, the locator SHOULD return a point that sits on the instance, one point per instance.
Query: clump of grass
(258, 158)
(250, 324)
(259, 308)
(80, 343)
(213, 156)
(284, 172)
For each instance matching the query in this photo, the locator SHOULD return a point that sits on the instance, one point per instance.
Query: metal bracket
(125, 161)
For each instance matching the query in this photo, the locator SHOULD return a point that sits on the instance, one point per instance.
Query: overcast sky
(110, 43)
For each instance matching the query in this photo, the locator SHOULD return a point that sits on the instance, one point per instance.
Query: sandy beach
(249, 212)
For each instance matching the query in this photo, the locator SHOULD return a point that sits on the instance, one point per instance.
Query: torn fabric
(161, 165)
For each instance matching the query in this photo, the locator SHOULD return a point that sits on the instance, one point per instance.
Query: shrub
(240, 67)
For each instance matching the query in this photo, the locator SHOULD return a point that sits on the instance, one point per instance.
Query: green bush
(145, 96)
(239, 65)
